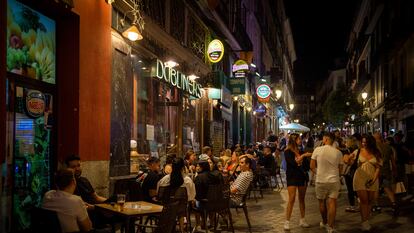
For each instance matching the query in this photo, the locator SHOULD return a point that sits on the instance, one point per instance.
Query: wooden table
(131, 210)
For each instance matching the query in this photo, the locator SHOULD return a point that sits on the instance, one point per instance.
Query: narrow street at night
(172, 116)
(268, 215)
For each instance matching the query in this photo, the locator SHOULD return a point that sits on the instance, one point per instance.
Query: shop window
(163, 118)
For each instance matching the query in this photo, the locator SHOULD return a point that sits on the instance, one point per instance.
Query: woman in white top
(366, 176)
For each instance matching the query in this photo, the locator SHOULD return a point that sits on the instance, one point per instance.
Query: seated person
(71, 210)
(84, 188)
(190, 162)
(168, 164)
(177, 179)
(206, 176)
(149, 184)
(268, 161)
(242, 183)
(233, 163)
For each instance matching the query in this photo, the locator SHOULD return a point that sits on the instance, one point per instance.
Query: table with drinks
(129, 210)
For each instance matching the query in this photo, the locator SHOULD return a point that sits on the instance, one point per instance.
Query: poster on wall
(31, 43)
(150, 132)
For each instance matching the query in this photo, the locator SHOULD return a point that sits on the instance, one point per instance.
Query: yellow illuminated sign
(215, 51)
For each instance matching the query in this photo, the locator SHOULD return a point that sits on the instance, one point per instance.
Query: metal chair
(243, 206)
(167, 195)
(44, 220)
(256, 187)
(217, 202)
(166, 221)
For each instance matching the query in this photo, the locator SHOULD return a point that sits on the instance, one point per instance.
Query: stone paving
(268, 215)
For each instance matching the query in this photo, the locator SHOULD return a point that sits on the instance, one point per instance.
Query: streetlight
(364, 95)
(291, 106)
(278, 93)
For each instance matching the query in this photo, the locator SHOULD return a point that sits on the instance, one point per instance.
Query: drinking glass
(120, 199)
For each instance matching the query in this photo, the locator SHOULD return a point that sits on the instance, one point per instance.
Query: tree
(340, 105)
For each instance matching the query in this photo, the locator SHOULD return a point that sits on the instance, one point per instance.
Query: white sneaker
(286, 227)
(323, 225)
(303, 223)
(365, 226)
(330, 229)
(197, 229)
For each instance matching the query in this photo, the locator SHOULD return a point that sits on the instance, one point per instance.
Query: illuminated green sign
(176, 78)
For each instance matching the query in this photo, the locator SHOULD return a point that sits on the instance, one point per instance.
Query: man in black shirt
(84, 188)
(149, 185)
(267, 160)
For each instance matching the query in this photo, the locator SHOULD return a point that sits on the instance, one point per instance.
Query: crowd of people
(366, 163)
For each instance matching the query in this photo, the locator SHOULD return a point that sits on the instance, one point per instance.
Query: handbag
(347, 169)
(400, 188)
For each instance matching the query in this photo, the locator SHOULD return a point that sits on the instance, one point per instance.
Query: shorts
(325, 190)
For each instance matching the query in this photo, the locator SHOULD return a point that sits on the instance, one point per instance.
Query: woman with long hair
(366, 176)
(296, 178)
(177, 178)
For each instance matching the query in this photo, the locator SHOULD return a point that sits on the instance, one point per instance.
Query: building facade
(380, 49)
(74, 84)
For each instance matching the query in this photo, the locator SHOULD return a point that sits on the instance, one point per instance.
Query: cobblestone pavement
(268, 215)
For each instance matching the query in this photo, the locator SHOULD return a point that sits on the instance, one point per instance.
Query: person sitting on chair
(84, 188)
(70, 209)
(242, 183)
(149, 185)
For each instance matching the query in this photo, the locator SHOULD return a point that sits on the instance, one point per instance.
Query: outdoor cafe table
(131, 210)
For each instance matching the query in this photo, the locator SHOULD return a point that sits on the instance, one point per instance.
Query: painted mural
(30, 43)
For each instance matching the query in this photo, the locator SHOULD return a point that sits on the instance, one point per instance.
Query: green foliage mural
(31, 164)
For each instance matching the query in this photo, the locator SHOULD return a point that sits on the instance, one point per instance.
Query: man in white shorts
(328, 161)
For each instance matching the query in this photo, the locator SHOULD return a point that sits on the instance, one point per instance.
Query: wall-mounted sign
(260, 110)
(176, 78)
(215, 51)
(237, 86)
(226, 97)
(240, 69)
(263, 91)
(214, 93)
(35, 103)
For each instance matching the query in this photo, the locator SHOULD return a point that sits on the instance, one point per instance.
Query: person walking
(296, 178)
(366, 176)
(328, 161)
(349, 171)
(388, 170)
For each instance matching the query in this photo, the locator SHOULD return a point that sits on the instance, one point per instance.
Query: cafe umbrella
(295, 127)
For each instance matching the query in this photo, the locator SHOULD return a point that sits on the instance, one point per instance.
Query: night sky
(320, 29)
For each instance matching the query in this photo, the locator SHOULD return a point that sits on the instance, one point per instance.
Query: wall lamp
(364, 95)
(171, 64)
(278, 93)
(193, 77)
(134, 32)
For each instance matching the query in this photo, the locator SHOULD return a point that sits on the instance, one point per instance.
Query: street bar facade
(156, 109)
